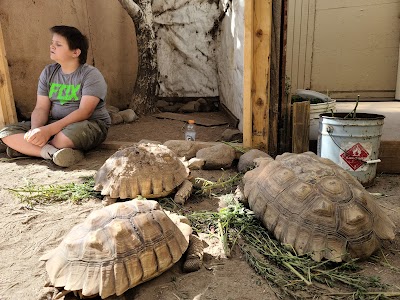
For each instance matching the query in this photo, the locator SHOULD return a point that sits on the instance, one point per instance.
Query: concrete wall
(346, 47)
(110, 31)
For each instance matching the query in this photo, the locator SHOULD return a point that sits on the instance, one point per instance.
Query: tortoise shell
(317, 207)
(116, 248)
(148, 170)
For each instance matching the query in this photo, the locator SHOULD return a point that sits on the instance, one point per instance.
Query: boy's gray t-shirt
(66, 90)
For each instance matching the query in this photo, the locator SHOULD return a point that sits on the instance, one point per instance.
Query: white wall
(185, 48)
(194, 63)
(230, 59)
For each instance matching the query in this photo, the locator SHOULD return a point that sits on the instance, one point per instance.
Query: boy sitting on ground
(70, 114)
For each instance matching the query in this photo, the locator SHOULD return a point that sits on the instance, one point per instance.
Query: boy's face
(60, 52)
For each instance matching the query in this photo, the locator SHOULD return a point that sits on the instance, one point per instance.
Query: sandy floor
(26, 234)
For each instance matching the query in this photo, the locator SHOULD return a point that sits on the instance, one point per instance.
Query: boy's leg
(18, 143)
(13, 137)
(84, 135)
(66, 146)
(75, 137)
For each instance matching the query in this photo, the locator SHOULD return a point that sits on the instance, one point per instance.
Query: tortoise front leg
(107, 200)
(194, 254)
(184, 192)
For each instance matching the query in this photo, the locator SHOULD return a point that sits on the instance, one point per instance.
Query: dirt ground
(26, 234)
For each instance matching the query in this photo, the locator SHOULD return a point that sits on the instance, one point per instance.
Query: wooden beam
(8, 113)
(256, 84)
(248, 74)
(284, 137)
(275, 77)
(301, 127)
(261, 72)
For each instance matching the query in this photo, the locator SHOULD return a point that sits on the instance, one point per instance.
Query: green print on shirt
(65, 92)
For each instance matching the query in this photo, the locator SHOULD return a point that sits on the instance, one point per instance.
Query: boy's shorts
(85, 135)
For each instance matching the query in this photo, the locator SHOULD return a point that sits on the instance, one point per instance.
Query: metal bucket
(352, 143)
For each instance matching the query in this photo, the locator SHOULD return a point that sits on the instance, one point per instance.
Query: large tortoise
(317, 207)
(145, 169)
(120, 246)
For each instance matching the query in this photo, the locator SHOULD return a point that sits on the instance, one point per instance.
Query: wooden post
(300, 127)
(285, 96)
(256, 85)
(248, 74)
(276, 36)
(8, 114)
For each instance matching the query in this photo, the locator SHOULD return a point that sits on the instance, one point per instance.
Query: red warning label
(355, 156)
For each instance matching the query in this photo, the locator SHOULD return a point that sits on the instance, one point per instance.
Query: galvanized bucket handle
(329, 130)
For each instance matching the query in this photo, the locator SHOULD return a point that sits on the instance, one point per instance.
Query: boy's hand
(38, 136)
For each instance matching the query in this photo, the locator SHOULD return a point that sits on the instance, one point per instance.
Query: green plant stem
(236, 147)
(224, 239)
(270, 259)
(385, 294)
(293, 270)
(208, 186)
(74, 192)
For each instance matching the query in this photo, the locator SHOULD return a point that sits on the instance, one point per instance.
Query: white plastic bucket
(327, 105)
(315, 111)
(352, 143)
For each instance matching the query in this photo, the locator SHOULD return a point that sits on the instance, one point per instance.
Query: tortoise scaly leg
(61, 294)
(47, 293)
(194, 254)
(107, 200)
(185, 190)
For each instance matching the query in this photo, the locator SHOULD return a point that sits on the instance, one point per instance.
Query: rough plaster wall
(27, 38)
(113, 40)
(185, 49)
(230, 58)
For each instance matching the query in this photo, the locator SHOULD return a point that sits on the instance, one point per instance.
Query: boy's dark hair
(75, 40)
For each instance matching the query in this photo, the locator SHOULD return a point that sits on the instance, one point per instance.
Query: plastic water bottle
(190, 133)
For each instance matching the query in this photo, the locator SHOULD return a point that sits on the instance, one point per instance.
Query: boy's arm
(40, 114)
(40, 136)
(86, 108)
